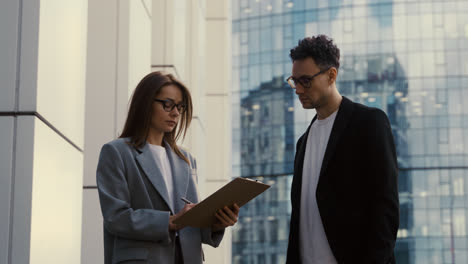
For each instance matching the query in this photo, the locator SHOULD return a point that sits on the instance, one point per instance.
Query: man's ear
(332, 74)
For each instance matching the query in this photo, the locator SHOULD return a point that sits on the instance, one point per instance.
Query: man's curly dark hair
(320, 48)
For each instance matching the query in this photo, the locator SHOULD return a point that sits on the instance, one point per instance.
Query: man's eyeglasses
(304, 80)
(168, 105)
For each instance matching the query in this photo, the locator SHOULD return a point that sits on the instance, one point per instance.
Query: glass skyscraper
(409, 58)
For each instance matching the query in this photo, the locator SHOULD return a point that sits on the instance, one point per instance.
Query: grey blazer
(135, 206)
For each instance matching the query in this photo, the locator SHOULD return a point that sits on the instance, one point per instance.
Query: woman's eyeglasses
(168, 105)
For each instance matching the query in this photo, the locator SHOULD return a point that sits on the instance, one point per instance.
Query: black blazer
(357, 193)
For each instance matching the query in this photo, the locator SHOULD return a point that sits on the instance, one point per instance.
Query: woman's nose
(175, 111)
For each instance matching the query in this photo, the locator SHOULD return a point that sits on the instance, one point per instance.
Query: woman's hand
(226, 217)
(175, 227)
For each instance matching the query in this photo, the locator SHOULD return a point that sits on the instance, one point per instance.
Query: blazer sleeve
(207, 235)
(382, 174)
(120, 218)
(212, 238)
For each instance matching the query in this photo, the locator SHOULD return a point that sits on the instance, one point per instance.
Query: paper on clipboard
(239, 190)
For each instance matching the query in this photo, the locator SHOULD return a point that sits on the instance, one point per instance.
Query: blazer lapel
(180, 175)
(151, 166)
(341, 121)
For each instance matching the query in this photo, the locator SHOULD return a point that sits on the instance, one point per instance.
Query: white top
(313, 243)
(159, 154)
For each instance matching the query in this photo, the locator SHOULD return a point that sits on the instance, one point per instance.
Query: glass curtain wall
(409, 58)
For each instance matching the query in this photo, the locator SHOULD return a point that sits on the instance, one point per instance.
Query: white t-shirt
(159, 153)
(313, 243)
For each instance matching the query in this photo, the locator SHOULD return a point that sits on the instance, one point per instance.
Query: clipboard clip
(252, 180)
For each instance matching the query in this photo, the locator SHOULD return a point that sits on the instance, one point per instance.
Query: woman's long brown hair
(140, 112)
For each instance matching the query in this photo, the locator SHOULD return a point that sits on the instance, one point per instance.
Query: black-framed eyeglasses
(304, 80)
(168, 105)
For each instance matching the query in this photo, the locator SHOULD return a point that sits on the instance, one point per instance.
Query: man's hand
(174, 227)
(226, 216)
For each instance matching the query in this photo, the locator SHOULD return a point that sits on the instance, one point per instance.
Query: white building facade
(67, 71)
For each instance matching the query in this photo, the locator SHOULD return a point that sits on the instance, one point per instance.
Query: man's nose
(299, 89)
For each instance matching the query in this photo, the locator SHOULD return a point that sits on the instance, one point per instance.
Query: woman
(143, 175)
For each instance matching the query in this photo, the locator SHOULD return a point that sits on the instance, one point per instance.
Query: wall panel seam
(146, 9)
(15, 125)
(18, 55)
(40, 117)
(220, 180)
(164, 36)
(200, 122)
(116, 83)
(12, 192)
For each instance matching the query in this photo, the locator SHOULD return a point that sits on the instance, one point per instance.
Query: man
(344, 192)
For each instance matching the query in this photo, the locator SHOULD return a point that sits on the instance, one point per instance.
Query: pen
(185, 200)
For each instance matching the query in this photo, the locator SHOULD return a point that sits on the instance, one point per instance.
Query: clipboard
(239, 190)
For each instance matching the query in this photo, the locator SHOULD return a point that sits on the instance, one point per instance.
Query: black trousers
(178, 252)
